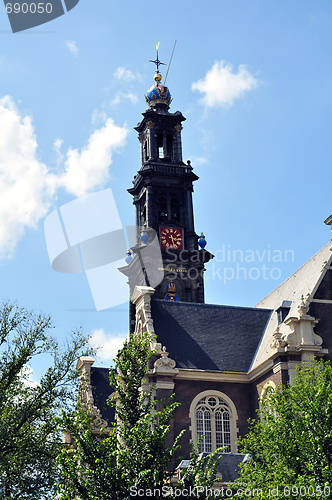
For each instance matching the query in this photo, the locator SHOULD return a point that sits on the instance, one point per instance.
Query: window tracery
(213, 422)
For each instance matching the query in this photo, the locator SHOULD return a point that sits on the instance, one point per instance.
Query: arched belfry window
(175, 209)
(160, 145)
(165, 145)
(162, 208)
(169, 145)
(213, 419)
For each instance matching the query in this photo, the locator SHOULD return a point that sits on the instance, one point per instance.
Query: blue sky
(253, 78)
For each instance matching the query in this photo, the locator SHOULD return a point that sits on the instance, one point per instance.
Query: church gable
(299, 292)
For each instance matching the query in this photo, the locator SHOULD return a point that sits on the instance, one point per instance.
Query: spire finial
(157, 62)
(158, 94)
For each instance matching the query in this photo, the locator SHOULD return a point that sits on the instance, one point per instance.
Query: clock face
(171, 237)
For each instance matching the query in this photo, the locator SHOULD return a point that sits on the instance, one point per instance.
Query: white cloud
(222, 85)
(121, 96)
(72, 46)
(121, 76)
(57, 144)
(26, 186)
(88, 169)
(199, 160)
(123, 73)
(107, 345)
(126, 75)
(98, 117)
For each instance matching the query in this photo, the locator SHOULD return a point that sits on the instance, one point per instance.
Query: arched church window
(160, 145)
(267, 391)
(175, 209)
(162, 208)
(169, 145)
(213, 422)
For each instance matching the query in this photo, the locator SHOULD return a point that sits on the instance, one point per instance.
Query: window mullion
(213, 431)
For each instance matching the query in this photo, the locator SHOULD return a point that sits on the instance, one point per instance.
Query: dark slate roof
(101, 390)
(228, 465)
(209, 337)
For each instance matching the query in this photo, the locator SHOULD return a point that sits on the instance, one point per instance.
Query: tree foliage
(133, 455)
(29, 440)
(290, 446)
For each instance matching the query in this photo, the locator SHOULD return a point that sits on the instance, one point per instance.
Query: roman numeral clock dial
(171, 237)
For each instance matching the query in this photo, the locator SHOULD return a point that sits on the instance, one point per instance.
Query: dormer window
(283, 310)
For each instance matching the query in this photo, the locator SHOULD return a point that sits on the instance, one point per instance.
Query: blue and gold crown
(158, 94)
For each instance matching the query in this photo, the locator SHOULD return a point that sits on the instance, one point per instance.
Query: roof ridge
(196, 304)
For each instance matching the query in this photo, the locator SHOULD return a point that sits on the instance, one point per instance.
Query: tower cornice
(150, 172)
(159, 117)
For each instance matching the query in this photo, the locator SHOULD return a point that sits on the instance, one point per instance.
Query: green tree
(290, 446)
(133, 455)
(29, 439)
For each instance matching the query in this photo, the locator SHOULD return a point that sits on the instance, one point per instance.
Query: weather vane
(157, 61)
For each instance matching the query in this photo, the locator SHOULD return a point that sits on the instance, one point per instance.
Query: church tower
(162, 195)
